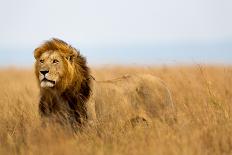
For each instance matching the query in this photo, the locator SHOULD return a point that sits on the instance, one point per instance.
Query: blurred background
(126, 32)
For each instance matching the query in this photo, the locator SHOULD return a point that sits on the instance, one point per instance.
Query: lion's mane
(74, 88)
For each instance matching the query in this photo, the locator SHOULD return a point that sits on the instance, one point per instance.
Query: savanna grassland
(202, 96)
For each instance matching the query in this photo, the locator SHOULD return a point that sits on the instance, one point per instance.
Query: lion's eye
(55, 61)
(41, 61)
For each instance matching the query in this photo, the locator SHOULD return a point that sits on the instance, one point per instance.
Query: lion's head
(59, 66)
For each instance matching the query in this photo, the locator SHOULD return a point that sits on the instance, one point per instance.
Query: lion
(64, 82)
(69, 94)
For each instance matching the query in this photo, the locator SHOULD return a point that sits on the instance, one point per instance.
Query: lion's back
(131, 96)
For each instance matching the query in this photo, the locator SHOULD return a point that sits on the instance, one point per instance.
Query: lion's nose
(44, 72)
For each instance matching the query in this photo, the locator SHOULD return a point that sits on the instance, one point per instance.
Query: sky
(143, 32)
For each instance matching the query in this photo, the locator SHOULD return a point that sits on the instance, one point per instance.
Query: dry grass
(202, 97)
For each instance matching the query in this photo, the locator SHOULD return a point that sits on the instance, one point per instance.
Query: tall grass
(202, 96)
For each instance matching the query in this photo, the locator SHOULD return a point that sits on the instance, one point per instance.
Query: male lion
(68, 94)
(64, 82)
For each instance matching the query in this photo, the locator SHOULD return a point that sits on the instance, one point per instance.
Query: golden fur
(66, 87)
(132, 99)
(69, 94)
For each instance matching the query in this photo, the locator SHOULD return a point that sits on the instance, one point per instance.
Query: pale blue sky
(120, 31)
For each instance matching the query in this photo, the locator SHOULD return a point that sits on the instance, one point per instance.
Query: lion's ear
(71, 57)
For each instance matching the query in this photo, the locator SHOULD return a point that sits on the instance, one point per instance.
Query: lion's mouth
(45, 83)
(46, 80)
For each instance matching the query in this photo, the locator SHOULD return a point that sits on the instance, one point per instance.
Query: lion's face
(50, 69)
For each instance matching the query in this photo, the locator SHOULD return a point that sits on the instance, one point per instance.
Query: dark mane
(77, 98)
(75, 94)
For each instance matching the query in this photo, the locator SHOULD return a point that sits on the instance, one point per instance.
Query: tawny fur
(132, 99)
(78, 98)
(67, 99)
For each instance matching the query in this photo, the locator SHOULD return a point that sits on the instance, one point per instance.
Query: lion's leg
(138, 121)
(141, 119)
(91, 113)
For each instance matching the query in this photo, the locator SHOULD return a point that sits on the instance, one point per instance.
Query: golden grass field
(202, 96)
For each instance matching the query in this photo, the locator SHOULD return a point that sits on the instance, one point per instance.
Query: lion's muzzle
(45, 82)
